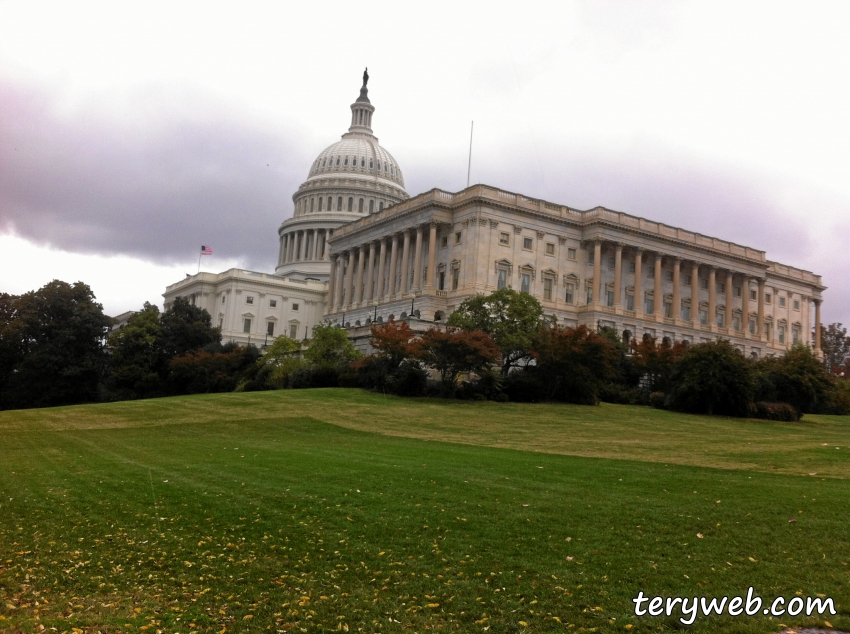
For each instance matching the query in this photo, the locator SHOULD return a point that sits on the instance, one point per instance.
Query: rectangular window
(222, 299)
(767, 330)
(293, 331)
(550, 248)
(736, 323)
(753, 295)
(767, 298)
(648, 304)
(547, 288)
(525, 283)
(591, 257)
(795, 336)
(455, 278)
(444, 241)
(669, 276)
(752, 326)
(249, 299)
(796, 304)
(781, 334)
(630, 302)
(571, 254)
(272, 303)
(457, 237)
(703, 317)
(737, 291)
(703, 283)
(221, 323)
(720, 320)
(610, 263)
(526, 243)
(610, 297)
(270, 328)
(441, 280)
(589, 294)
(668, 310)
(631, 267)
(782, 302)
(502, 279)
(295, 307)
(687, 280)
(504, 238)
(686, 312)
(721, 287)
(568, 293)
(246, 326)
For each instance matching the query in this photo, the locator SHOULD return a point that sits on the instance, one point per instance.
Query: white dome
(357, 154)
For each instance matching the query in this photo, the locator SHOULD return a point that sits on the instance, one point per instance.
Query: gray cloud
(157, 191)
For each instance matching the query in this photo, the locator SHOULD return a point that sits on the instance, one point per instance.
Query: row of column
(658, 298)
(354, 282)
(304, 245)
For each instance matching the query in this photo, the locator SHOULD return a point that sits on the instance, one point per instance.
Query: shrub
(801, 380)
(619, 394)
(313, 376)
(657, 400)
(523, 386)
(453, 352)
(409, 379)
(838, 398)
(712, 378)
(773, 411)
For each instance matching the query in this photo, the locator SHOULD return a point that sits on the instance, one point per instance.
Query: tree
(573, 363)
(276, 365)
(52, 343)
(656, 361)
(393, 341)
(136, 361)
(712, 378)
(510, 317)
(185, 328)
(202, 371)
(453, 352)
(800, 379)
(835, 345)
(330, 346)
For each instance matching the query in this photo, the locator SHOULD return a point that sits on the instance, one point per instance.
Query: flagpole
(199, 260)
(469, 165)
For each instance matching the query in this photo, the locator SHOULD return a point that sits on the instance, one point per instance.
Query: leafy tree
(51, 346)
(835, 345)
(453, 352)
(185, 327)
(136, 361)
(573, 363)
(202, 371)
(330, 346)
(394, 341)
(276, 365)
(712, 378)
(800, 379)
(655, 362)
(392, 368)
(510, 317)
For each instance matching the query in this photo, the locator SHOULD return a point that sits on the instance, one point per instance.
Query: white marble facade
(357, 248)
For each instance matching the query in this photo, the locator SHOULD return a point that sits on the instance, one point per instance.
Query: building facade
(358, 249)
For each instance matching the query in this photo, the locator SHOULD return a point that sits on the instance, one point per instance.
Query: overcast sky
(130, 134)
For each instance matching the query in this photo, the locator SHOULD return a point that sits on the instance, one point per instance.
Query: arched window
(371, 206)
(381, 206)
(385, 167)
(363, 162)
(371, 165)
(320, 203)
(324, 161)
(337, 161)
(346, 161)
(360, 206)
(311, 204)
(330, 203)
(350, 203)
(379, 166)
(339, 204)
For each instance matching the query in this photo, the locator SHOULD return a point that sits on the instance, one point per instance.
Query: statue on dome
(366, 76)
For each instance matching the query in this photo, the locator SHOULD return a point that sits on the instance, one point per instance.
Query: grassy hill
(340, 510)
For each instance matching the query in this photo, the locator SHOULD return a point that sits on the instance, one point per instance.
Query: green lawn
(324, 510)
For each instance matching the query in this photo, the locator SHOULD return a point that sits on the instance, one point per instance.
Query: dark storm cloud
(89, 184)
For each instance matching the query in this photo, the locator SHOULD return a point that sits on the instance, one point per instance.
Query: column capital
(761, 282)
(620, 245)
(434, 223)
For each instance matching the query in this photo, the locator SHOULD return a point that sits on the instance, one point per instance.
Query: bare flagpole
(199, 260)
(469, 166)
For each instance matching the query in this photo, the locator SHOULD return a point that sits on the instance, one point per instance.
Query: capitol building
(358, 249)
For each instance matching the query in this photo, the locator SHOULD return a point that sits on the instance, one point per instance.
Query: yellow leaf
(247, 616)
(752, 560)
(699, 535)
(523, 623)
(629, 626)
(827, 623)
(433, 605)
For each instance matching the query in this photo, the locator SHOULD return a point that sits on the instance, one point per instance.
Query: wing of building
(357, 249)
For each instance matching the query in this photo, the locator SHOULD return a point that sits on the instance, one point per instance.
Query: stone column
(300, 245)
(745, 306)
(618, 274)
(760, 318)
(325, 248)
(417, 260)
(432, 256)
(320, 244)
(695, 294)
(405, 264)
(676, 313)
(332, 287)
(639, 282)
(280, 253)
(712, 297)
(391, 278)
(817, 327)
(349, 281)
(370, 272)
(358, 292)
(291, 247)
(597, 272)
(658, 304)
(730, 293)
(381, 289)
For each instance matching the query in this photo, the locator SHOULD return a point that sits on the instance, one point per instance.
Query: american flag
(205, 250)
